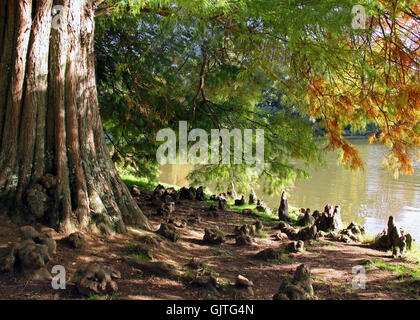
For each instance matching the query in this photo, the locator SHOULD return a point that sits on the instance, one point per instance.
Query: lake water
(367, 197)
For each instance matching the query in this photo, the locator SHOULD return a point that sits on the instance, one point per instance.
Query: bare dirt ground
(331, 264)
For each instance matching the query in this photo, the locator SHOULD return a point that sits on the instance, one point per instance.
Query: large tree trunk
(55, 166)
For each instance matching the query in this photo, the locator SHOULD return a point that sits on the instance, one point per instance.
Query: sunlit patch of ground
(330, 263)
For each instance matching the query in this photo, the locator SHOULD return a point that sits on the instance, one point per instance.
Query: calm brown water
(368, 197)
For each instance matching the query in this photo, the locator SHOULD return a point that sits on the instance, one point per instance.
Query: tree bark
(55, 166)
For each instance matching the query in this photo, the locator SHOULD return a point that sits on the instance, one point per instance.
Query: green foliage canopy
(213, 62)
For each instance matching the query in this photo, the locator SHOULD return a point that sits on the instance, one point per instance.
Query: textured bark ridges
(50, 123)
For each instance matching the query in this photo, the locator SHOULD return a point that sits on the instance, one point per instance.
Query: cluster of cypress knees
(31, 255)
(314, 225)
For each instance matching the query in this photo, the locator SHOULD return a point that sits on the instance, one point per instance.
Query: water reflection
(368, 197)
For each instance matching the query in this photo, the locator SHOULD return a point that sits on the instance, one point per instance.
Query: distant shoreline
(356, 137)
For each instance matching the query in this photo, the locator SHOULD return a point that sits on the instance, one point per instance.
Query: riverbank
(367, 197)
(153, 267)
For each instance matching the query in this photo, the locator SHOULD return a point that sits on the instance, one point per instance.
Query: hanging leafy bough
(374, 78)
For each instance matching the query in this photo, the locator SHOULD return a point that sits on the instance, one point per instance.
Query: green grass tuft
(404, 272)
(370, 239)
(262, 234)
(138, 252)
(146, 185)
(141, 257)
(413, 255)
